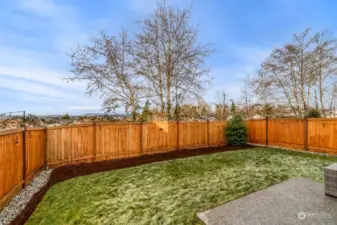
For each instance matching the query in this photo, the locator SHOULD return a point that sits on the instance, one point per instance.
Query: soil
(66, 172)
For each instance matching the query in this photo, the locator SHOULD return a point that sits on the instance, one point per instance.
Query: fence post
(141, 138)
(45, 148)
(306, 134)
(94, 142)
(208, 141)
(267, 119)
(24, 175)
(177, 134)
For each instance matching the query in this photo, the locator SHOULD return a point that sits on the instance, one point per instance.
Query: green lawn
(172, 192)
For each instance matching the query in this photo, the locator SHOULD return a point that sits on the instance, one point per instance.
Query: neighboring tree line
(161, 73)
(161, 69)
(301, 75)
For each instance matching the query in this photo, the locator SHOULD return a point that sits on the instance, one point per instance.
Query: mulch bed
(66, 172)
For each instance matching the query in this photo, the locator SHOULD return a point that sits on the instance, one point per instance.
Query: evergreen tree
(233, 108)
(236, 131)
(145, 116)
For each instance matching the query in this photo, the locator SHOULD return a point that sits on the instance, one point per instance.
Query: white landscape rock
(19, 202)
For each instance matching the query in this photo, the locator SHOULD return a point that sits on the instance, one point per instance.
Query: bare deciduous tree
(106, 65)
(300, 74)
(246, 97)
(221, 106)
(324, 61)
(170, 58)
(262, 87)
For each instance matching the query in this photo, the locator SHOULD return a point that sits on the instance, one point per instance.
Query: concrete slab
(331, 167)
(297, 201)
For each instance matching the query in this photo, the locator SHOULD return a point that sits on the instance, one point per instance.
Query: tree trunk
(294, 90)
(308, 98)
(134, 115)
(161, 96)
(168, 77)
(321, 92)
(176, 112)
(302, 77)
(168, 97)
(133, 104)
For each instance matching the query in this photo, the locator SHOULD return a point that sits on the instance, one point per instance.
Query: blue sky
(37, 35)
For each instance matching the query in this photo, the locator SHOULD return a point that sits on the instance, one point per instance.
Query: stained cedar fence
(313, 134)
(104, 141)
(22, 155)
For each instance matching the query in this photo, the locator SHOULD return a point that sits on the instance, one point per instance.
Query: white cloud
(35, 69)
(85, 107)
(232, 89)
(33, 88)
(62, 19)
(39, 99)
(42, 75)
(230, 78)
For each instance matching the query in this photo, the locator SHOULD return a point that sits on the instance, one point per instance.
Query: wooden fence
(315, 135)
(257, 131)
(322, 135)
(22, 155)
(97, 142)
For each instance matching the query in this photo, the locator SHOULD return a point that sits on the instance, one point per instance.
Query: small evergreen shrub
(145, 116)
(65, 116)
(314, 113)
(236, 131)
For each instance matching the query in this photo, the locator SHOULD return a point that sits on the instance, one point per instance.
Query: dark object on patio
(330, 176)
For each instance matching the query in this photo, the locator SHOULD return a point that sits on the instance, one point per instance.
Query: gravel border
(19, 202)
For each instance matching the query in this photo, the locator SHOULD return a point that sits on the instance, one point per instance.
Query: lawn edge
(292, 150)
(63, 173)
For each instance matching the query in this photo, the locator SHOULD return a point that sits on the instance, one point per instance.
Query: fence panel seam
(267, 130)
(24, 147)
(306, 134)
(94, 142)
(141, 139)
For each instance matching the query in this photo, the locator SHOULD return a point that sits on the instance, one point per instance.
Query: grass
(172, 192)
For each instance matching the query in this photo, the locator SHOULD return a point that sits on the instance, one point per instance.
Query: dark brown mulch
(66, 172)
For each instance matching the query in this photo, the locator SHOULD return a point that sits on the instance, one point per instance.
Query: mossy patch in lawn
(172, 192)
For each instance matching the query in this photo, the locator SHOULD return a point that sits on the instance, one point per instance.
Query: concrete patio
(297, 201)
